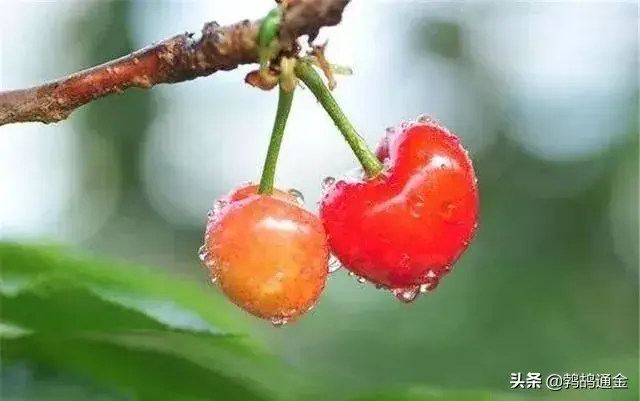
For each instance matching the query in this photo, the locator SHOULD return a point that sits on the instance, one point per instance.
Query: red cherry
(268, 255)
(403, 229)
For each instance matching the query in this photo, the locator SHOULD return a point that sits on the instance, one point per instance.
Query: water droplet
(334, 263)
(327, 182)
(425, 287)
(202, 253)
(213, 279)
(361, 280)
(309, 309)
(407, 295)
(431, 275)
(340, 184)
(416, 205)
(298, 195)
(351, 274)
(279, 321)
(447, 210)
(427, 120)
(217, 208)
(448, 268)
(356, 174)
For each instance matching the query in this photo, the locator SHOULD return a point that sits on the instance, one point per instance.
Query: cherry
(268, 254)
(404, 227)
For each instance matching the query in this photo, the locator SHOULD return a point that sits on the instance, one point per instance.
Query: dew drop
(297, 195)
(217, 208)
(416, 206)
(334, 263)
(431, 275)
(213, 279)
(407, 295)
(361, 280)
(427, 120)
(202, 253)
(355, 174)
(351, 274)
(447, 210)
(327, 182)
(279, 321)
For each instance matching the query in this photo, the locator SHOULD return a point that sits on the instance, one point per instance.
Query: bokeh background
(543, 94)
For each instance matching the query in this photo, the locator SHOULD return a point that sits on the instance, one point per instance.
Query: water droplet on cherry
(427, 120)
(327, 182)
(416, 205)
(202, 253)
(279, 321)
(407, 295)
(334, 263)
(447, 210)
(216, 208)
(361, 280)
(297, 195)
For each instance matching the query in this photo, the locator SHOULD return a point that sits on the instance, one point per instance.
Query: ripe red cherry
(403, 229)
(268, 254)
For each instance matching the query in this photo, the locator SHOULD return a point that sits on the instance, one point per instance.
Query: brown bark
(177, 59)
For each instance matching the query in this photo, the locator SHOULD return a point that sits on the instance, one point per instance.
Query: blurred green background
(544, 95)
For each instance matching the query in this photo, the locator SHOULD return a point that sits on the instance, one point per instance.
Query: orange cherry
(268, 255)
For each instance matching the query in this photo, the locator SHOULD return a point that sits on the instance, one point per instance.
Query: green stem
(370, 163)
(282, 114)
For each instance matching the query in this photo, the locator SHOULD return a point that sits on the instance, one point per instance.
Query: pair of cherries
(401, 229)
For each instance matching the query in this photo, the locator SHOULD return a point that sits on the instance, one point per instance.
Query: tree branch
(177, 59)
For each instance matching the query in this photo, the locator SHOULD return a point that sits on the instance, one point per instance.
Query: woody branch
(177, 59)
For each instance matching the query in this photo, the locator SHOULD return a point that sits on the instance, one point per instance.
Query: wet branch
(177, 59)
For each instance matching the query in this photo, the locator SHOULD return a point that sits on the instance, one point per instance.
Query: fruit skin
(407, 226)
(268, 255)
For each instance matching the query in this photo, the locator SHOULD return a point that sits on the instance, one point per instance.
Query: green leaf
(90, 318)
(146, 374)
(134, 286)
(70, 310)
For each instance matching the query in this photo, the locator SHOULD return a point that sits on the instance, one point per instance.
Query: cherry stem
(285, 99)
(307, 74)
